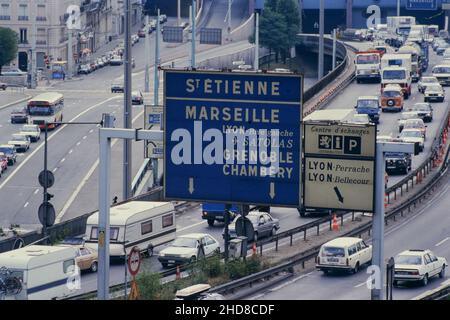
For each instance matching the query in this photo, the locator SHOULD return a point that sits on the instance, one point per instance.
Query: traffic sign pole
(378, 217)
(378, 222)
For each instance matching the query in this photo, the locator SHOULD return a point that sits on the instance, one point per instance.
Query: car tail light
(416, 272)
(318, 260)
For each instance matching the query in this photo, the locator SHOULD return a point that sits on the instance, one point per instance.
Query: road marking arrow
(191, 185)
(272, 190)
(339, 195)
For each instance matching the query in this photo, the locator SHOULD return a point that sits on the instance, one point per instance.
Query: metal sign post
(378, 217)
(106, 134)
(321, 39)
(127, 110)
(194, 30)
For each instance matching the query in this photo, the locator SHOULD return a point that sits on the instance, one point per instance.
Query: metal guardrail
(310, 254)
(139, 176)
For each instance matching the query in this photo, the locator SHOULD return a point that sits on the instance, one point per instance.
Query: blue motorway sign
(421, 4)
(232, 137)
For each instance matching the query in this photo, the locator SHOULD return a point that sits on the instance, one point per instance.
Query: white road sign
(339, 184)
(342, 140)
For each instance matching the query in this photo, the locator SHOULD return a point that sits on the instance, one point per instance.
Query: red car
(3, 163)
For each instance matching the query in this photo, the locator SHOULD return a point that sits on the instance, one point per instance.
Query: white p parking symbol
(352, 145)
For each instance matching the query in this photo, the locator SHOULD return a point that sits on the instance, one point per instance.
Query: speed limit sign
(134, 261)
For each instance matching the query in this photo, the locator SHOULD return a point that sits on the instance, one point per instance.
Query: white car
(116, 61)
(20, 141)
(425, 81)
(360, 119)
(434, 92)
(32, 131)
(189, 248)
(413, 136)
(345, 253)
(418, 265)
(404, 117)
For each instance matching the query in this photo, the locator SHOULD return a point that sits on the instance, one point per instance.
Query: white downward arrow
(191, 185)
(272, 190)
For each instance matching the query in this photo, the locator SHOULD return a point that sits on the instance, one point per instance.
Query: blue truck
(369, 105)
(216, 212)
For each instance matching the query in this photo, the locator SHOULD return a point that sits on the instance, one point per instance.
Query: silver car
(264, 225)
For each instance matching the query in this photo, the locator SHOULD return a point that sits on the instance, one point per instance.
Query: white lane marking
(78, 143)
(26, 204)
(63, 159)
(70, 151)
(360, 285)
(84, 138)
(85, 179)
(441, 242)
(54, 170)
(436, 197)
(49, 138)
(257, 296)
(92, 130)
(36, 191)
(192, 225)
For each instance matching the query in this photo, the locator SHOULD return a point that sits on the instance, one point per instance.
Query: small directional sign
(173, 34)
(339, 184)
(421, 4)
(339, 167)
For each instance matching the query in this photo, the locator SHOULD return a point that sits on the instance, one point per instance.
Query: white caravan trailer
(143, 224)
(45, 272)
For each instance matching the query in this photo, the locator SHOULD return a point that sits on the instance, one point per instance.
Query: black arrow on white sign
(339, 195)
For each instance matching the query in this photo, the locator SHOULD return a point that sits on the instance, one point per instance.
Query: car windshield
(368, 104)
(6, 150)
(407, 259)
(411, 134)
(429, 80)
(333, 252)
(394, 74)
(391, 94)
(413, 124)
(368, 59)
(434, 88)
(40, 111)
(29, 129)
(19, 138)
(185, 242)
(394, 154)
(420, 107)
(441, 70)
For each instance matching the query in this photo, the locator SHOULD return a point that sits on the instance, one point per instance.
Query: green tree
(289, 10)
(8, 46)
(273, 32)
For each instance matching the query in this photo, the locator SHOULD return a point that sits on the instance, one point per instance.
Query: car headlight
(162, 254)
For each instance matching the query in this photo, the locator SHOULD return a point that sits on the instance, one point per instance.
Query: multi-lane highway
(428, 229)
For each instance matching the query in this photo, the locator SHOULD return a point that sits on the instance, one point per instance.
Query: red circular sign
(134, 261)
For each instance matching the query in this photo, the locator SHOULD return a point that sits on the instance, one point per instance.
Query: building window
(23, 36)
(41, 16)
(23, 12)
(4, 12)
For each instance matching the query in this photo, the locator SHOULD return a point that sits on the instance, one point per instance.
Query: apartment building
(45, 22)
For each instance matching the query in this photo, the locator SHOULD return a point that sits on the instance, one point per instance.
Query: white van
(143, 224)
(44, 271)
(442, 73)
(345, 253)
